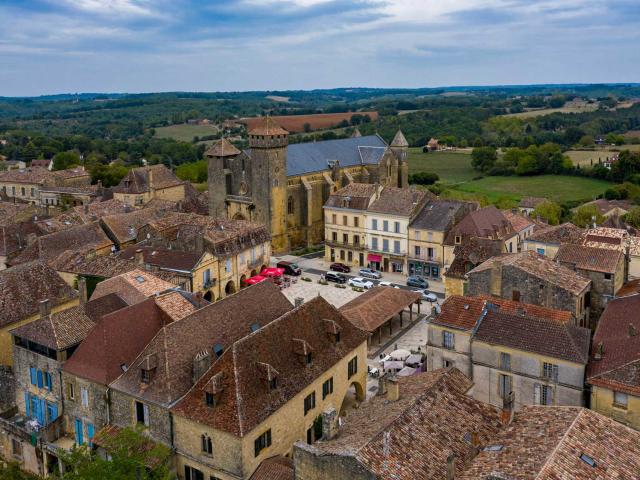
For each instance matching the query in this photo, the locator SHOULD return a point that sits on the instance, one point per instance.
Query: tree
(586, 141)
(109, 175)
(64, 160)
(587, 215)
(307, 127)
(133, 456)
(549, 211)
(632, 217)
(195, 172)
(423, 178)
(557, 101)
(483, 158)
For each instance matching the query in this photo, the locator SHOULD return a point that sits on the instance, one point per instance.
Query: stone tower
(218, 155)
(400, 148)
(268, 142)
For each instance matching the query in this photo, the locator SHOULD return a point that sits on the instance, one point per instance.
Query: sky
(68, 46)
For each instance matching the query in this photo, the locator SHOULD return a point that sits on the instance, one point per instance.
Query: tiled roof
(397, 201)
(618, 332)
(267, 126)
(23, 287)
(411, 438)
(9, 211)
(471, 253)
(548, 443)
(134, 286)
(463, 312)
(246, 399)
(589, 258)
(29, 176)
(222, 148)
(124, 226)
(163, 257)
(176, 345)
(137, 180)
(115, 341)
(15, 237)
(82, 214)
(541, 336)
(377, 305)
(105, 266)
(274, 468)
(441, 215)
(531, 202)
(558, 234)
(630, 288)
(518, 222)
(355, 196)
(399, 140)
(604, 206)
(538, 266)
(175, 305)
(487, 222)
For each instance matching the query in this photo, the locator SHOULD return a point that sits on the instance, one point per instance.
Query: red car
(340, 267)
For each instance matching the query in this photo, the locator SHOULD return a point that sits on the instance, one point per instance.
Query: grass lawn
(558, 188)
(185, 132)
(452, 167)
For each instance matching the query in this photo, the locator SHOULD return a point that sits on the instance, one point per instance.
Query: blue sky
(59, 46)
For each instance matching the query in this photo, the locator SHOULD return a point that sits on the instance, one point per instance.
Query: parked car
(385, 283)
(335, 277)
(415, 281)
(429, 296)
(360, 282)
(340, 267)
(369, 273)
(290, 268)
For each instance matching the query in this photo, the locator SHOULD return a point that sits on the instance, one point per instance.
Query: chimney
(201, 363)
(45, 308)
(139, 256)
(475, 444)
(382, 384)
(82, 290)
(599, 351)
(150, 178)
(451, 466)
(298, 301)
(393, 389)
(329, 423)
(507, 409)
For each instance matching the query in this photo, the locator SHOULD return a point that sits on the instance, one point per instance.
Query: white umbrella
(406, 372)
(400, 354)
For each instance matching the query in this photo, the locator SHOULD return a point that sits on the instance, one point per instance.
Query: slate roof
(163, 257)
(589, 258)
(441, 215)
(558, 234)
(487, 222)
(540, 267)
(137, 180)
(377, 305)
(618, 331)
(354, 196)
(222, 148)
(397, 201)
(472, 252)
(463, 312)
(176, 345)
(134, 286)
(413, 436)
(23, 287)
(545, 337)
(546, 443)
(246, 399)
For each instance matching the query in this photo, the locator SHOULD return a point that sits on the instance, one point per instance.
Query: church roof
(268, 126)
(314, 156)
(222, 148)
(399, 140)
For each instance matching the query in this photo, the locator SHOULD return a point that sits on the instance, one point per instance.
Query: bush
(423, 178)
(340, 285)
(323, 282)
(306, 279)
(357, 289)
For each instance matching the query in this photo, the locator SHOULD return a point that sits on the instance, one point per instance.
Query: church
(285, 186)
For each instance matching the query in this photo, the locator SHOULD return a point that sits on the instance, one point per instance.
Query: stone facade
(438, 356)
(310, 466)
(94, 414)
(602, 402)
(123, 414)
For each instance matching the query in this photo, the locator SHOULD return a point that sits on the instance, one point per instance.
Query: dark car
(340, 267)
(417, 282)
(335, 277)
(290, 268)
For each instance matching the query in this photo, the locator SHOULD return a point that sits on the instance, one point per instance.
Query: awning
(272, 272)
(254, 280)
(374, 258)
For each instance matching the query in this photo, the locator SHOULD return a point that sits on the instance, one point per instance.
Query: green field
(185, 133)
(585, 157)
(587, 107)
(451, 167)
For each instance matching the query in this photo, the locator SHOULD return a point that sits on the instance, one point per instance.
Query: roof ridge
(239, 399)
(622, 365)
(558, 444)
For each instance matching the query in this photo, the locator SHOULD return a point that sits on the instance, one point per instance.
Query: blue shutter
(32, 372)
(90, 433)
(79, 437)
(48, 381)
(39, 375)
(52, 411)
(42, 412)
(27, 404)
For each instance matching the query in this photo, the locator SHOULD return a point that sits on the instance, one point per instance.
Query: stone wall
(95, 413)
(460, 356)
(602, 402)
(309, 465)
(7, 389)
(123, 414)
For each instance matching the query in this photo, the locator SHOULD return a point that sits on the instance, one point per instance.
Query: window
(142, 413)
(504, 385)
(308, 359)
(385, 225)
(505, 361)
(227, 265)
(206, 445)
(342, 255)
(374, 224)
(543, 395)
(417, 234)
(540, 251)
(48, 383)
(448, 340)
(550, 371)
(290, 206)
(446, 363)
(327, 388)
(588, 460)
(510, 247)
(23, 191)
(385, 245)
(345, 238)
(191, 473)
(334, 236)
(309, 402)
(33, 192)
(352, 368)
(262, 442)
(273, 384)
(84, 396)
(396, 246)
(515, 295)
(396, 227)
(356, 240)
(458, 239)
(350, 256)
(374, 243)
(145, 375)
(334, 219)
(39, 378)
(620, 399)
(218, 349)
(417, 250)
(345, 220)
(356, 221)
(209, 399)
(430, 253)
(607, 276)
(71, 391)
(16, 447)
(206, 277)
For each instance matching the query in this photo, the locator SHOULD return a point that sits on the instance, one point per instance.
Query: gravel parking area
(308, 290)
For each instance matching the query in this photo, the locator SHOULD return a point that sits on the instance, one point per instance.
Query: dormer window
(269, 375)
(209, 399)
(333, 330)
(148, 368)
(303, 350)
(145, 376)
(218, 349)
(458, 240)
(309, 359)
(213, 390)
(273, 384)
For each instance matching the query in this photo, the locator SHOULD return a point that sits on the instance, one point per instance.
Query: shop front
(424, 269)
(374, 261)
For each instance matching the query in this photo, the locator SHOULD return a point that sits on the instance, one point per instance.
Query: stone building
(522, 225)
(532, 278)
(285, 186)
(284, 383)
(141, 185)
(25, 184)
(617, 239)
(605, 268)
(615, 362)
(547, 241)
(467, 256)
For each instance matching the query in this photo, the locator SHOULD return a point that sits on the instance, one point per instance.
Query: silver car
(429, 296)
(369, 273)
(360, 282)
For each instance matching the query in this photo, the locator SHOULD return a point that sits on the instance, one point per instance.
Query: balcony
(393, 253)
(209, 283)
(339, 244)
(425, 258)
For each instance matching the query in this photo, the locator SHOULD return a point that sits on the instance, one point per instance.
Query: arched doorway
(253, 273)
(208, 296)
(354, 394)
(263, 267)
(242, 279)
(239, 216)
(230, 288)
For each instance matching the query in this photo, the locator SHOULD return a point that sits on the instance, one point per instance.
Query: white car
(386, 283)
(428, 296)
(360, 282)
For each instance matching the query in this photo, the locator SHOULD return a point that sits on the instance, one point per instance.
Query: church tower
(268, 142)
(219, 180)
(400, 147)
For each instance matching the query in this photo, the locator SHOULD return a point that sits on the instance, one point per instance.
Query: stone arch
(291, 206)
(242, 279)
(239, 216)
(355, 393)
(254, 273)
(263, 267)
(208, 296)
(230, 287)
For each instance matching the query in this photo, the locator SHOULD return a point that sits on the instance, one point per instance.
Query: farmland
(451, 167)
(319, 121)
(585, 157)
(575, 108)
(185, 132)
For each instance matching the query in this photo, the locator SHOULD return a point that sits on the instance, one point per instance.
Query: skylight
(493, 448)
(588, 460)
(140, 279)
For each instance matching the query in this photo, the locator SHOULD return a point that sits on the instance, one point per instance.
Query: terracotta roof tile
(274, 468)
(124, 226)
(531, 202)
(163, 257)
(355, 196)
(222, 148)
(518, 222)
(471, 253)
(137, 180)
(441, 215)
(487, 222)
(133, 287)
(559, 234)
(175, 305)
(267, 126)
(589, 258)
